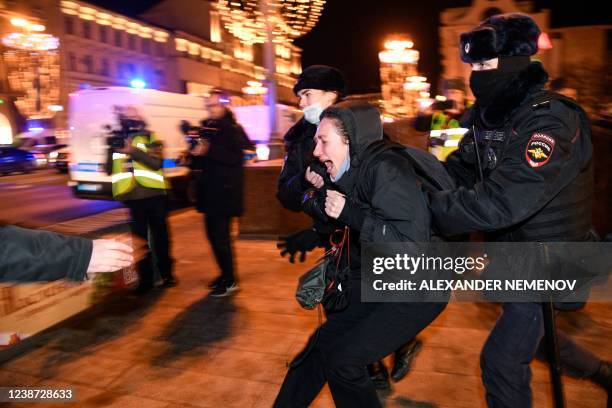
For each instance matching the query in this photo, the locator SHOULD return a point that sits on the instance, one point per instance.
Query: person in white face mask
(317, 87)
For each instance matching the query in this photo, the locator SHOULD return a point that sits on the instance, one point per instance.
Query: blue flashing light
(138, 83)
(35, 129)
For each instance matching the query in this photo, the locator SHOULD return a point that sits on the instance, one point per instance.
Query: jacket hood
(363, 125)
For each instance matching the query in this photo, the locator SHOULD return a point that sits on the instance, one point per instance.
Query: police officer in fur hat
(526, 175)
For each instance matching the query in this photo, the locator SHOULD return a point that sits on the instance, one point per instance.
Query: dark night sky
(350, 33)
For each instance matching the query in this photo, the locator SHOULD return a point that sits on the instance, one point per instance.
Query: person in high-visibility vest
(138, 182)
(443, 119)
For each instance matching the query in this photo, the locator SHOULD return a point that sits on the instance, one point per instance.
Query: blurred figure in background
(218, 154)
(138, 182)
(443, 120)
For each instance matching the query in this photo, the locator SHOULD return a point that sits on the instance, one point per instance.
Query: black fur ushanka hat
(321, 77)
(502, 35)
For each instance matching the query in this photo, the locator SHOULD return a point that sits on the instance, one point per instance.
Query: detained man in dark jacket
(525, 174)
(34, 255)
(375, 197)
(220, 186)
(317, 87)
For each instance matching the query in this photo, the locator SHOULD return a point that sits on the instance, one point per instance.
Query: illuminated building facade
(177, 46)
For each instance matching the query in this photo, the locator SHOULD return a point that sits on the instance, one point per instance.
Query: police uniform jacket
(524, 169)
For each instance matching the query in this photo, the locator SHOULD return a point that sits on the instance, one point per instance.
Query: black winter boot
(404, 357)
(379, 375)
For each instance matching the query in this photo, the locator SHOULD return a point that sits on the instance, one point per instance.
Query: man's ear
(332, 97)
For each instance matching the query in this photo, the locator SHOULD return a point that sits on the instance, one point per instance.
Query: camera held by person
(128, 128)
(197, 134)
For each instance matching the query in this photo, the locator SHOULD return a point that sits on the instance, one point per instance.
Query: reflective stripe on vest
(124, 181)
(145, 176)
(148, 174)
(121, 176)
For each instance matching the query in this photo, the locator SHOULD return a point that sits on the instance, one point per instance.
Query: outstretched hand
(109, 255)
(300, 242)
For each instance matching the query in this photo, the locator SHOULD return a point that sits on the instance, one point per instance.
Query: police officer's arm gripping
(518, 187)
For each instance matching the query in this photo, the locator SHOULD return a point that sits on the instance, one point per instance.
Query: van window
(49, 140)
(25, 142)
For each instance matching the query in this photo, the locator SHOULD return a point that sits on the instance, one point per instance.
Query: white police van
(91, 111)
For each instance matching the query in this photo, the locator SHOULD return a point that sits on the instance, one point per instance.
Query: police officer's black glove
(313, 204)
(302, 241)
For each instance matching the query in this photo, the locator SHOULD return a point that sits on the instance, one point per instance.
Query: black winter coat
(32, 255)
(535, 153)
(385, 202)
(221, 182)
(299, 144)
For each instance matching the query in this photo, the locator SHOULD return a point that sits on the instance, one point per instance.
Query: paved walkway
(182, 348)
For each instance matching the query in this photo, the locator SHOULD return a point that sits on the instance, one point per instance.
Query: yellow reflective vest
(126, 173)
(440, 120)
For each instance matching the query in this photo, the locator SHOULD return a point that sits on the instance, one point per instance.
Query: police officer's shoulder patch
(539, 149)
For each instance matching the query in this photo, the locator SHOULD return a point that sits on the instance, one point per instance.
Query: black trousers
(513, 343)
(342, 347)
(218, 233)
(149, 222)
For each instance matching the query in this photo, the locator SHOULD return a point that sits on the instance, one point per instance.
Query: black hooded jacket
(536, 180)
(384, 200)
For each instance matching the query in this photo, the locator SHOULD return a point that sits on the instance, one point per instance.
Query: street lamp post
(269, 22)
(270, 66)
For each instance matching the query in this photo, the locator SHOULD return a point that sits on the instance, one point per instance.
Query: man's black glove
(302, 241)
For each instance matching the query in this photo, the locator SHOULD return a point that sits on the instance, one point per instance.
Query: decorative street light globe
(397, 61)
(32, 65)
(31, 41)
(289, 19)
(270, 22)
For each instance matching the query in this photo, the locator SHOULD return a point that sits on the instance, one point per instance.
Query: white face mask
(346, 164)
(312, 113)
